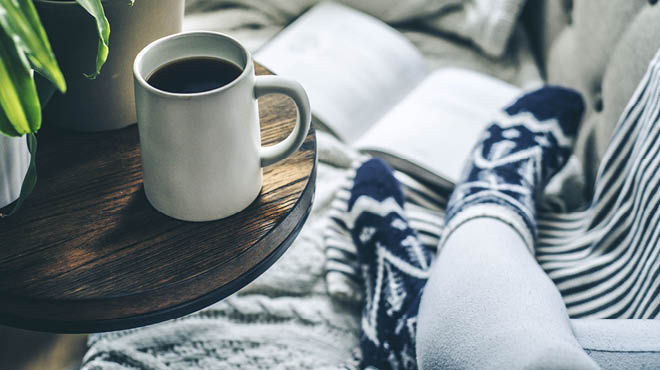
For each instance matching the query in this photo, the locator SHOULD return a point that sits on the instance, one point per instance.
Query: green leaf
(6, 128)
(95, 8)
(18, 94)
(19, 19)
(30, 179)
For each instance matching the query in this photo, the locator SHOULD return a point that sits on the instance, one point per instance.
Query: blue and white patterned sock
(528, 142)
(394, 267)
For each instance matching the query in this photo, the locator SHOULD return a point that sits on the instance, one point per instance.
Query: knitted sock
(394, 267)
(527, 143)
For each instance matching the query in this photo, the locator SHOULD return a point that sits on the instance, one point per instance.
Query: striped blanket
(603, 259)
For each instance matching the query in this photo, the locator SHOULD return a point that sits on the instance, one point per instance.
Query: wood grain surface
(88, 253)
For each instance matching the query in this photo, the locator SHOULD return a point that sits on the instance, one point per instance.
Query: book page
(354, 67)
(437, 125)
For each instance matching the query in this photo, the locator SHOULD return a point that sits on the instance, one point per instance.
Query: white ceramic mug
(201, 152)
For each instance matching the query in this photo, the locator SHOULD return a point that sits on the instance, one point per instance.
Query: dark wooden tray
(87, 252)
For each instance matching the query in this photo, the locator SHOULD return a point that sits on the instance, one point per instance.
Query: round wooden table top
(88, 253)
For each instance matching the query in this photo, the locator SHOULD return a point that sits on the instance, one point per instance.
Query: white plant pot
(108, 102)
(14, 162)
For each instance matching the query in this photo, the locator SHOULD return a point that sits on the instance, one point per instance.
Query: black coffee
(193, 75)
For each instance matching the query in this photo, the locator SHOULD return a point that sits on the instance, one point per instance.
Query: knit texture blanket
(603, 259)
(283, 320)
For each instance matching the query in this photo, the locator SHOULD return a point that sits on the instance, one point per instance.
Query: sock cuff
(490, 210)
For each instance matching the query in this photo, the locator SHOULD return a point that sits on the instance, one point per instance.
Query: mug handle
(265, 85)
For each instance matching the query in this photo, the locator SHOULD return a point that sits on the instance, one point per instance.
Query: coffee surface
(193, 75)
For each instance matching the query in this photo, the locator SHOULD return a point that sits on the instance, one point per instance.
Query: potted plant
(30, 72)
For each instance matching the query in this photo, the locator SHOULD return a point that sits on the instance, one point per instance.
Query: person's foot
(394, 267)
(527, 143)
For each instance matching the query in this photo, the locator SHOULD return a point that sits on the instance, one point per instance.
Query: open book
(369, 86)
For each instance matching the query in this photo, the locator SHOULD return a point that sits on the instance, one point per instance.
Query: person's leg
(488, 305)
